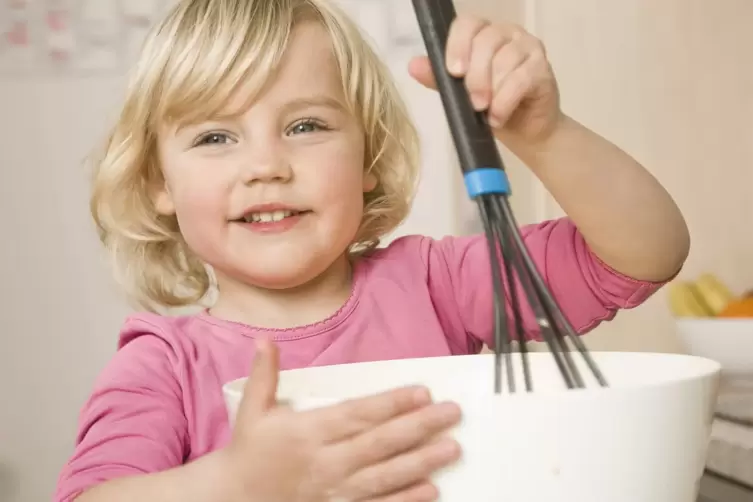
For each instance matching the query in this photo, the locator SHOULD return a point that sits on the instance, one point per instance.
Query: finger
(403, 471)
(478, 79)
(395, 437)
(512, 91)
(421, 70)
(506, 61)
(421, 492)
(460, 42)
(260, 391)
(353, 417)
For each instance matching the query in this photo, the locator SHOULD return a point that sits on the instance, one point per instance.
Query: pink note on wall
(16, 37)
(18, 34)
(57, 20)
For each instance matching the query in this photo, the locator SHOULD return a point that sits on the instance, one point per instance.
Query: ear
(369, 182)
(163, 200)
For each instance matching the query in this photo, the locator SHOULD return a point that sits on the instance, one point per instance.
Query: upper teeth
(267, 217)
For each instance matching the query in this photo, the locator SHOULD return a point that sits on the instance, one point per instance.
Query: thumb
(420, 69)
(260, 391)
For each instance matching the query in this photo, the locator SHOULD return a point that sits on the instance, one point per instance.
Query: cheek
(201, 207)
(338, 181)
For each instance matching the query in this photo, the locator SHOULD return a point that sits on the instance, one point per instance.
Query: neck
(306, 304)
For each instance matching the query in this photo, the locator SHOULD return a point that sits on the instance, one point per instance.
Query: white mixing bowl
(727, 341)
(644, 439)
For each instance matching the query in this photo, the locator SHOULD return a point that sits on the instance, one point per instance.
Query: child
(263, 144)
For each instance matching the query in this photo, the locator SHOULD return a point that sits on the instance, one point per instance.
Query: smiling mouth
(270, 216)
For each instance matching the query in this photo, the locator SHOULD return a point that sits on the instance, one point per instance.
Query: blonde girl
(261, 153)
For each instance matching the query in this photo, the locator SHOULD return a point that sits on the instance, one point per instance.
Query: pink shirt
(158, 404)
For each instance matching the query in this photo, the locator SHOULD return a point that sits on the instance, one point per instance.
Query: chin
(277, 282)
(281, 276)
(280, 268)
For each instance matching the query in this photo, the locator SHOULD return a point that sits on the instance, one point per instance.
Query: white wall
(671, 82)
(60, 318)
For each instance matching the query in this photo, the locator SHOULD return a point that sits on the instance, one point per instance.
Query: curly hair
(191, 65)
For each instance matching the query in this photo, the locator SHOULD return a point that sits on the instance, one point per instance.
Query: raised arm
(588, 290)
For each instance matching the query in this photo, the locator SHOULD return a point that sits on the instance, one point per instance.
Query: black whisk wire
(502, 338)
(487, 184)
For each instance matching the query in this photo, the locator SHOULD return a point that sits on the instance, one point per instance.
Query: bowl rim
(712, 369)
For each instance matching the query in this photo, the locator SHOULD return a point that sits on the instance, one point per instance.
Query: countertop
(731, 449)
(716, 489)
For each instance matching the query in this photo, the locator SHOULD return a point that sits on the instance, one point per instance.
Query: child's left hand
(506, 72)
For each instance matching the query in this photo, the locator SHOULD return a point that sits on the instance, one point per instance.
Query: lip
(273, 227)
(267, 208)
(270, 207)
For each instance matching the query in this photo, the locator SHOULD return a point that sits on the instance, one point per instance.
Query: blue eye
(306, 126)
(214, 138)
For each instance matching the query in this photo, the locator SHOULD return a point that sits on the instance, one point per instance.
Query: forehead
(309, 57)
(308, 68)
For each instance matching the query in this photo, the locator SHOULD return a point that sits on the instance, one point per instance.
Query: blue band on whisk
(486, 181)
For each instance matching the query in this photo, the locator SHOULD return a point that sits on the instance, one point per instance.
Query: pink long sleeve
(587, 290)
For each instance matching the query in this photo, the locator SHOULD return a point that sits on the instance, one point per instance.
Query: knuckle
(516, 31)
(441, 416)
(383, 407)
(516, 52)
(395, 402)
(428, 423)
(536, 50)
(475, 84)
(491, 35)
(387, 441)
(374, 441)
(525, 80)
(378, 482)
(519, 80)
(353, 415)
(417, 465)
(353, 419)
(501, 114)
(537, 56)
(436, 456)
(463, 30)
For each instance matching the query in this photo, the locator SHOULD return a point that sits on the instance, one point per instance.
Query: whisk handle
(479, 157)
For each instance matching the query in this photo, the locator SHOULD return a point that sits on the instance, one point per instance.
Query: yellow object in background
(708, 296)
(684, 300)
(714, 293)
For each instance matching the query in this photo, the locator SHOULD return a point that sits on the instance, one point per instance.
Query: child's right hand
(380, 448)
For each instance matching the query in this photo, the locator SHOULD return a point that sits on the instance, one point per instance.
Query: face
(274, 197)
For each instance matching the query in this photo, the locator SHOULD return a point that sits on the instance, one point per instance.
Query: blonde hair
(191, 65)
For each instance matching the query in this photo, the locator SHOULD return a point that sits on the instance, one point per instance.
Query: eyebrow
(313, 101)
(288, 107)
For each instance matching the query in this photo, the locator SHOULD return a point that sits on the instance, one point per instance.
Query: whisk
(487, 184)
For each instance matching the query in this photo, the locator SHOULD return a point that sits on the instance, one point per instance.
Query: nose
(266, 164)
